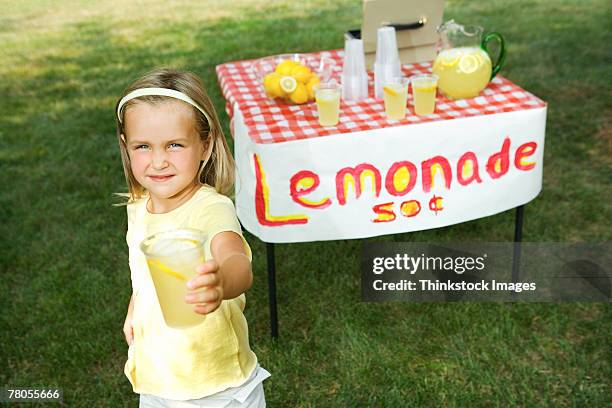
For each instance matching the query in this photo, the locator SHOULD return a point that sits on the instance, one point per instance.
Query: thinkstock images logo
(486, 272)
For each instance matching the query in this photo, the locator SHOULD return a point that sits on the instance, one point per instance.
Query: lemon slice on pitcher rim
(288, 84)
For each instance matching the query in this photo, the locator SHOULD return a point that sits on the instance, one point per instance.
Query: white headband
(161, 92)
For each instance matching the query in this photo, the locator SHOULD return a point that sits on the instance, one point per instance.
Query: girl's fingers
(207, 267)
(205, 296)
(208, 279)
(206, 308)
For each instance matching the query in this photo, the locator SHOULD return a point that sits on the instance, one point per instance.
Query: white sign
(390, 180)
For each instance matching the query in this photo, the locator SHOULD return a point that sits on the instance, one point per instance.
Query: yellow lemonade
(424, 94)
(463, 71)
(172, 262)
(395, 96)
(328, 105)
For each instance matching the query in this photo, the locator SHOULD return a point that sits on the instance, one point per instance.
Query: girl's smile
(161, 178)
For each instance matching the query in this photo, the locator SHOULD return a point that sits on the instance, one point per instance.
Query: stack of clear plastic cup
(354, 76)
(387, 64)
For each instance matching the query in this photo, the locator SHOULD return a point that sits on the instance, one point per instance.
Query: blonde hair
(218, 170)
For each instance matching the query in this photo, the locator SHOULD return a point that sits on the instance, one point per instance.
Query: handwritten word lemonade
(172, 258)
(395, 95)
(463, 71)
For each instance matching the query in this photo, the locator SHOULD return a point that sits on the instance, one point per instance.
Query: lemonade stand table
(368, 176)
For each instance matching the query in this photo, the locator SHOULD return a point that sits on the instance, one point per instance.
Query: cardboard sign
(415, 44)
(389, 180)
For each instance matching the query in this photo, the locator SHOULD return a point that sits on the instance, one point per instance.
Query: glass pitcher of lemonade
(463, 64)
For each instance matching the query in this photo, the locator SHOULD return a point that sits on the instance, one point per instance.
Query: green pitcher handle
(502, 51)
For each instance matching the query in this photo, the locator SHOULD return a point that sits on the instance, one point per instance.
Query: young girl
(177, 166)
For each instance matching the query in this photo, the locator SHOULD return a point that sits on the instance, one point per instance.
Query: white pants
(231, 398)
(255, 400)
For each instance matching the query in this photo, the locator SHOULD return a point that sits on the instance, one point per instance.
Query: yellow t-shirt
(198, 361)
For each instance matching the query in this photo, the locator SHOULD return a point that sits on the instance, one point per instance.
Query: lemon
(301, 73)
(272, 86)
(314, 80)
(285, 67)
(288, 84)
(300, 94)
(426, 88)
(468, 64)
(449, 58)
(390, 91)
(164, 268)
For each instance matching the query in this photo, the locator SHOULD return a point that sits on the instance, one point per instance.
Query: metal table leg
(272, 290)
(518, 237)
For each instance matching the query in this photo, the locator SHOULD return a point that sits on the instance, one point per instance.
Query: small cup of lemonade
(395, 95)
(424, 89)
(327, 95)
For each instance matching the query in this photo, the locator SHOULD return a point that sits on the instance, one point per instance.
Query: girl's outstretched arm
(226, 276)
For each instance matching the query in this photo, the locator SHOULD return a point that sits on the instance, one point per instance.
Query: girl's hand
(210, 280)
(128, 330)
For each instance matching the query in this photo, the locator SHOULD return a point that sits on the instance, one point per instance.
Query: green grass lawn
(65, 279)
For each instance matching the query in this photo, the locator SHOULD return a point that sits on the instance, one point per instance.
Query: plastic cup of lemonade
(327, 96)
(172, 257)
(424, 93)
(395, 95)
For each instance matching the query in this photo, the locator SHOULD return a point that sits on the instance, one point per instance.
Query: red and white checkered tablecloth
(272, 121)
